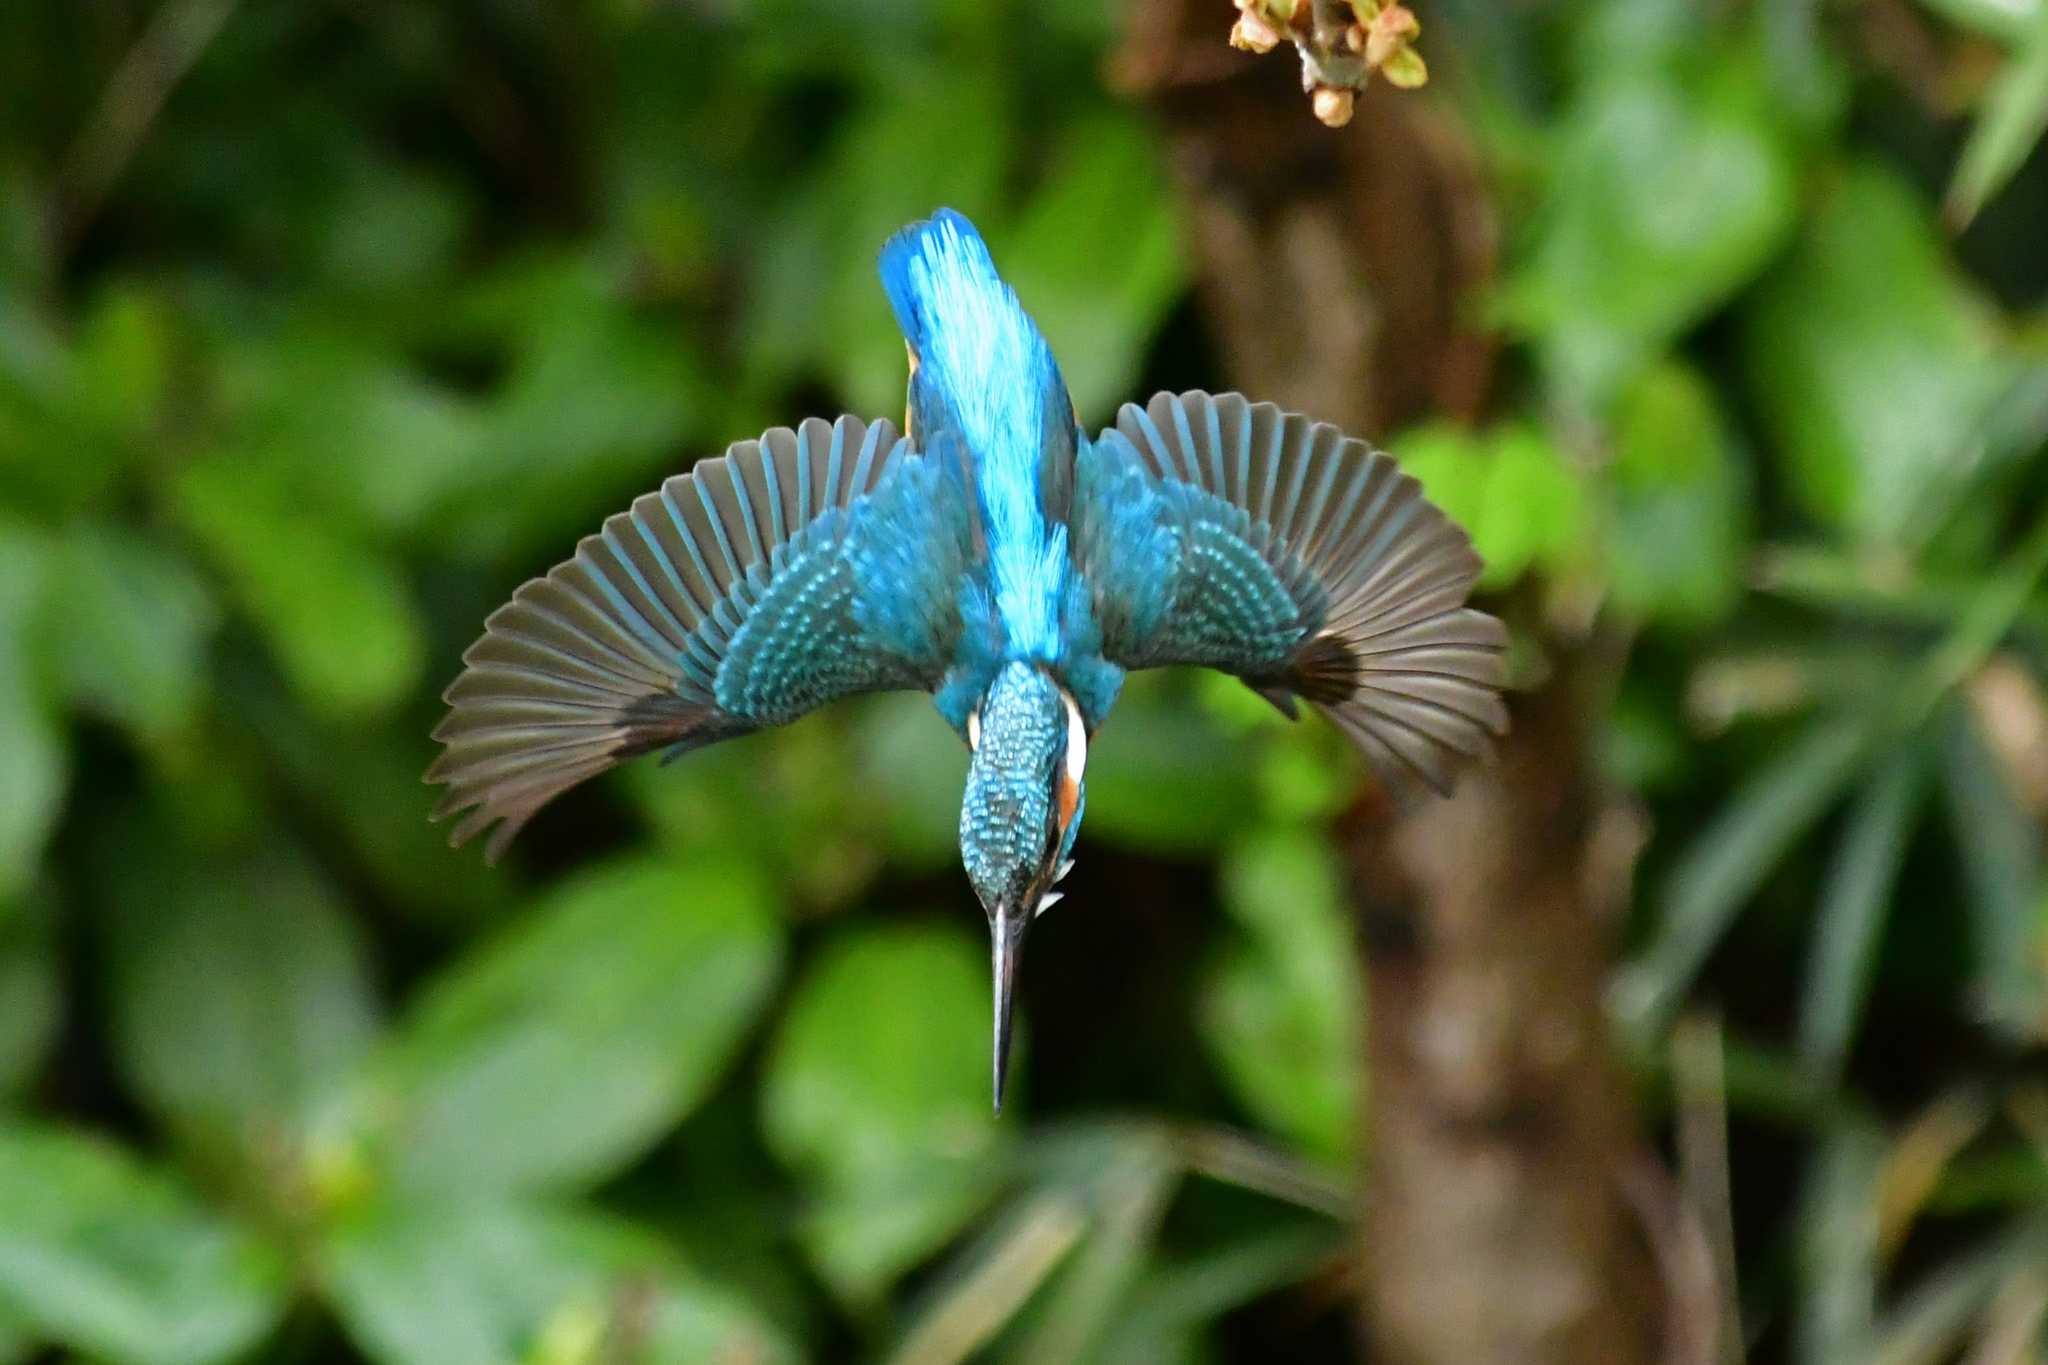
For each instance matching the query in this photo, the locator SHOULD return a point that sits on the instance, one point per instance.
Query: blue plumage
(1001, 560)
(986, 392)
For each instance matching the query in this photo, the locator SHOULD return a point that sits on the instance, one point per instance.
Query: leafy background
(324, 322)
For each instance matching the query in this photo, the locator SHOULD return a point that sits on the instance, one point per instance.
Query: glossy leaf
(1680, 517)
(382, 450)
(597, 401)
(1533, 514)
(1279, 1006)
(112, 1258)
(336, 614)
(1162, 779)
(1098, 296)
(286, 1008)
(1871, 363)
(424, 1283)
(129, 624)
(916, 767)
(1667, 195)
(33, 777)
(1510, 488)
(555, 1055)
(31, 996)
(878, 1088)
(818, 301)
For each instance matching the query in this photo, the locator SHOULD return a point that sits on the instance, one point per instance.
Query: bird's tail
(942, 254)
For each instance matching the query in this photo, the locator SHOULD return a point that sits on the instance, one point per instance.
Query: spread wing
(793, 570)
(1226, 533)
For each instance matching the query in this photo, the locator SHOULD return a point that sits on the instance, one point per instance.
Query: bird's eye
(974, 729)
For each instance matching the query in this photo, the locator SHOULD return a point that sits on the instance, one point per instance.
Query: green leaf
(1451, 464)
(1935, 1318)
(30, 997)
(79, 399)
(338, 616)
(35, 771)
(1533, 514)
(598, 403)
(340, 420)
(1724, 866)
(915, 766)
(883, 1054)
(1056, 1265)
(555, 1055)
(16, 1345)
(862, 1233)
(109, 1257)
(1163, 779)
(238, 991)
(430, 1283)
(2008, 128)
(124, 360)
(128, 625)
(1099, 294)
(1838, 1248)
(392, 228)
(2007, 21)
(817, 305)
(1510, 488)
(2000, 846)
(1279, 1007)
(986, 1286)
(364, 785)
(1669, 191)
(1871, 363)
(1680, 511)
(1128, 1199)
(1852, 909)
(878, 1088)
(1183, 1296)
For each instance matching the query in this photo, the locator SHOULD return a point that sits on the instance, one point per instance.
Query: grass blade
(1851, 918)
(2001, 855)
(1838, 1251)
(1724, 867)
(2010, 122)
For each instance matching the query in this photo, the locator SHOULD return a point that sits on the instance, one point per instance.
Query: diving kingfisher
(1000, 558)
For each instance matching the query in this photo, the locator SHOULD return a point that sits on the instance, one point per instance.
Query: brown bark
(1335, 269)
(1499, 1227)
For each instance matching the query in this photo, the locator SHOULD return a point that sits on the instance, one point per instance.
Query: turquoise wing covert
(791, 571)
(1230, 534)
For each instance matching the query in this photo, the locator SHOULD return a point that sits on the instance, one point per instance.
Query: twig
(176, 37)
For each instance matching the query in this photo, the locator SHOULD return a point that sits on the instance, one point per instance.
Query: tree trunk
(1499, 1227)
(1336, 270)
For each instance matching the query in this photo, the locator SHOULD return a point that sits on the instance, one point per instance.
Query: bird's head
(1019, 815)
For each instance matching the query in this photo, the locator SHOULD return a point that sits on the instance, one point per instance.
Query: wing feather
(1378, 636)
(625, 647)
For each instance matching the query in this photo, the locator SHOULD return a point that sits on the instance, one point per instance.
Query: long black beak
(1006, 943)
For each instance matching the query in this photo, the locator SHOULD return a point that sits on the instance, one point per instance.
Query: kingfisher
(998, 557)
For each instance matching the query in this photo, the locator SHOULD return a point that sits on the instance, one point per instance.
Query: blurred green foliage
(322, 325)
